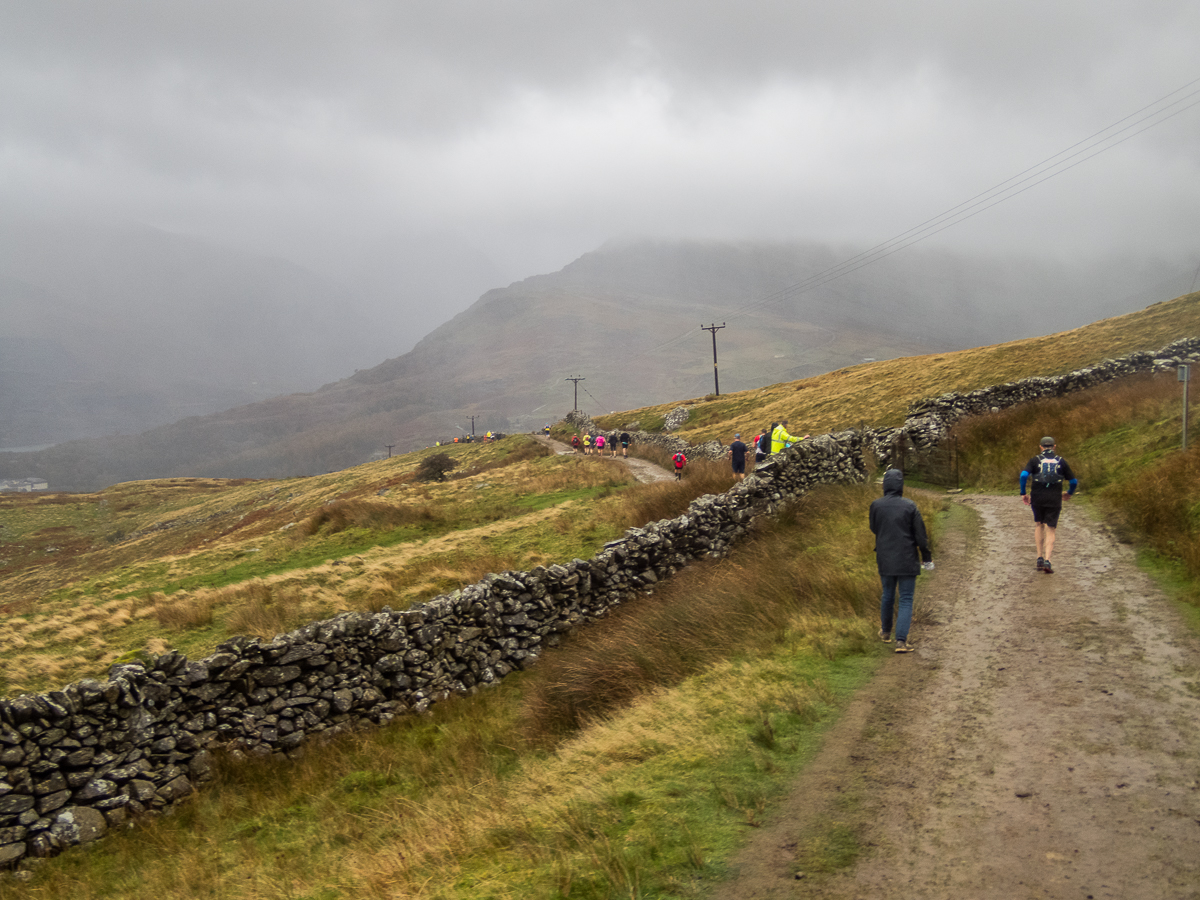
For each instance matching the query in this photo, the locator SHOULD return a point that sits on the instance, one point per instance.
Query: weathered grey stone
(51, 802)
(272, 677)
(175, 789)
(140, 790)
(78, 825)
(12, 804)
(96, 789)
(11, 853)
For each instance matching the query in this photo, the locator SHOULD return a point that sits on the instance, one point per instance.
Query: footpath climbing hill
(1043, 741)
(644, 471)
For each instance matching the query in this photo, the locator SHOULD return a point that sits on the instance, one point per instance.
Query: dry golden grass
(748, 599)
(879, 393)
(994, 447)
(1163, 505)
(184, 612)
(264, 611)
(668, 499)
(343, 514)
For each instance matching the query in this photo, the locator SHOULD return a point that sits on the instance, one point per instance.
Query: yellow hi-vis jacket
(780, 439)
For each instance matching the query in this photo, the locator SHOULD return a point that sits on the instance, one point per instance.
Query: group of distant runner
(589, 445)
(901, 544)
(770, 440)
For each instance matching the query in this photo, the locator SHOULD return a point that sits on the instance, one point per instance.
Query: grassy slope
(481, 800)
(879, 393)
(87, 578)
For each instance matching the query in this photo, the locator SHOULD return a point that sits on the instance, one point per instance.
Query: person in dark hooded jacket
(900, 540)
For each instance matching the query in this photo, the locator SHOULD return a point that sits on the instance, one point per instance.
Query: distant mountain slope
(627, 319)
(116, 329)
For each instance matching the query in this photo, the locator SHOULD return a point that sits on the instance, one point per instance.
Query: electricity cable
(1100, 142)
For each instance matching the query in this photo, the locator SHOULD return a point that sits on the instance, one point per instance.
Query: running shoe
(1047, 568)
(1041, 564)
(885, 636)
(904, 647)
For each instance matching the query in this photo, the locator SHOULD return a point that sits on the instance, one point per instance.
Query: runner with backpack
(1044, 475)
(680, 461)
(762, 444)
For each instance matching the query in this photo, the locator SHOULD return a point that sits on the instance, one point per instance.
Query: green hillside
(629, 762)
(878, 393)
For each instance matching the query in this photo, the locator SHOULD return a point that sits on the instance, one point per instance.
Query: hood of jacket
(893, 482)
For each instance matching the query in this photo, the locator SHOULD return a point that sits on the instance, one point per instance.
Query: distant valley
(627, 319)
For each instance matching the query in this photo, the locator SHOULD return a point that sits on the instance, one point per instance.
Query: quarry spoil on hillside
(1043, 741)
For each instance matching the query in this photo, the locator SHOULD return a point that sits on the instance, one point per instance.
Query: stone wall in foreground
(86, 758)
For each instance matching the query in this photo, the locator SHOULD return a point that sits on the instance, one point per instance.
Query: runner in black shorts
(737, 453)
(1045, 474)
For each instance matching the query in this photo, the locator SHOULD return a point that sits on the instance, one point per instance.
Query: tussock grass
(1162, 506)
(747, 600)
(667, 499)
(343, 514)
(264, 610)
(1100, 432)
(515, 451)
(645, 797)
(572, 473)
(185, 612)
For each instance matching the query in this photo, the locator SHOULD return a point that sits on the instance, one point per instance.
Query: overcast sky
(532, 131)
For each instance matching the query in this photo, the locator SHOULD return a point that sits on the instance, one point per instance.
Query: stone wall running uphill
(86, 758)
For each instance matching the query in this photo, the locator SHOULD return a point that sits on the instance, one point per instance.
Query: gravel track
(1043, 741)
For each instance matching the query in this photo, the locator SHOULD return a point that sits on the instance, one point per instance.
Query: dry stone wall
(78, 761)
(930, 420)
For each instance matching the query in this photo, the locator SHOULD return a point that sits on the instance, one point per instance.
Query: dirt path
(1043, 741)
(643, 471)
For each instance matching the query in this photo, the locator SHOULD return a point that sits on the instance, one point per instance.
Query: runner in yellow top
(780, 437)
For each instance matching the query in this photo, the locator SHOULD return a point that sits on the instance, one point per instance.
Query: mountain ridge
(616, 318)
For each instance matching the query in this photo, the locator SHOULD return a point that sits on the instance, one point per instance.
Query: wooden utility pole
(576, 380)
(1184, 373)
(714, 328)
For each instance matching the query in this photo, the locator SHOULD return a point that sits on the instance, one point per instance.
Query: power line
(594, 400)
(1100, 142)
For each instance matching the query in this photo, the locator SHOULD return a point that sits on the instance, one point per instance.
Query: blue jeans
(907, 584)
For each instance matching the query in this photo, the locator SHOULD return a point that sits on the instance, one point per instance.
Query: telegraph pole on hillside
(714, 328)
(389, 446)
(576, 380)
(1184, 374)
(472, 418)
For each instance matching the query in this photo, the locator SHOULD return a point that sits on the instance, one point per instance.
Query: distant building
(23, 485)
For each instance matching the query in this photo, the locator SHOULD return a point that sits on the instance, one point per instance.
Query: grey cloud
(535, 130)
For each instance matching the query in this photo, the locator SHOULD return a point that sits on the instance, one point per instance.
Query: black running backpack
(1049, 473)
